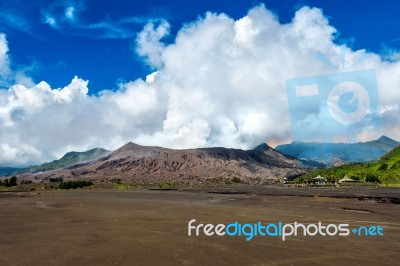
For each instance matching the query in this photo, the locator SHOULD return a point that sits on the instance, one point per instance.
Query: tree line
(9, 182)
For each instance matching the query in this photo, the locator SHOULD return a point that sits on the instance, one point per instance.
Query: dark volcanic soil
(87, 227)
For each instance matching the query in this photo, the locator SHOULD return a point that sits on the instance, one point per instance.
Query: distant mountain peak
(84, 153)
(262, 147)
(128, 147)
(131, 145)
(384, 138)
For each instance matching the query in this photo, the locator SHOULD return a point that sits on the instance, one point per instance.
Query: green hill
(386, 170)
(6, 171)
(70, 159)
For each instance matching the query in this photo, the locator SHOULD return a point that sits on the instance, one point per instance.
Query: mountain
(6, 171)
(332, 154)
(385, 170)
(189, 167)
(68, 160)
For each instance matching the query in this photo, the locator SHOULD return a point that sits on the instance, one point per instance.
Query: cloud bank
(222, 82)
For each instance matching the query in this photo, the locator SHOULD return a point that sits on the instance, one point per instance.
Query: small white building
(346, 179)
(319, 180)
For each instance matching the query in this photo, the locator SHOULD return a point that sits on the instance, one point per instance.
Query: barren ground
(141, 227)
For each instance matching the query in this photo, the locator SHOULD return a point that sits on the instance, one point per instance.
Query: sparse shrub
(236, 180)
(9, 182)
(166, 186)
(13, 181)
(75, 184)
(56, 179)
(383, 167)
(116, 180)
(372, 178)
(233, 180)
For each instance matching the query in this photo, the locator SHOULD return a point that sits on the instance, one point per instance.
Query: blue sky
(55, 40)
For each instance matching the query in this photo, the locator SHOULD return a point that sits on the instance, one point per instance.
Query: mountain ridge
(385, 170)
(190, 167)
(67, 160)
(332, 154)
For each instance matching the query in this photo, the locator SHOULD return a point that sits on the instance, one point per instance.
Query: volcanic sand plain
(149, 227)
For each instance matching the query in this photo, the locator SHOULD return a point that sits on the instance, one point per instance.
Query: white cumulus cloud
(4, 59)
(149, 45)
